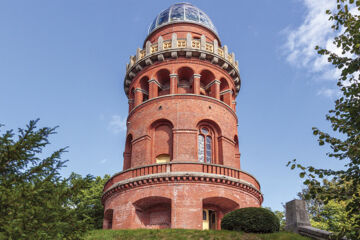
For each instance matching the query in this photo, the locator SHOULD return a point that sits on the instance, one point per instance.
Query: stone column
(138, 97)
(215, 88)
(173, 83)
(153, 88)
(296, 215)
(196, 84)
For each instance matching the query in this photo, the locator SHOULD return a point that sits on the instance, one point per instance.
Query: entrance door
(212, 219)
(206, 223)
(209, 219)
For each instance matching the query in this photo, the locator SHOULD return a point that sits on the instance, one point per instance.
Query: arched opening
(108, 219)
(214, 209)
(131, 98)
(144, 85)
(208, 144)
(162, 143)
(163, 77)
(206, 82)
(185, 75)
(224, 86)
(237, 151)
(154, 212)
(233, 104)
(127, 152)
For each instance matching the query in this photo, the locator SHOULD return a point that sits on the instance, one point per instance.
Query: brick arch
(226, 204)
(163, 77)
(153, 211)
(212, 124)
(144, 86)
(224, 84)
(127, 152)
(207, 77)
(108, 219)
(185, 78)
(162, 140)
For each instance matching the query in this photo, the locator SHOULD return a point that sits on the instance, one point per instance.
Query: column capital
(196, 75)
(154, 81)
(173, 75)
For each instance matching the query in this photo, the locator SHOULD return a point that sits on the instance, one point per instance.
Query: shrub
(252, 219)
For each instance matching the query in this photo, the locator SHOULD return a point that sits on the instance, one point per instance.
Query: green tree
(330, 216)
(35, 201)
(344, 119)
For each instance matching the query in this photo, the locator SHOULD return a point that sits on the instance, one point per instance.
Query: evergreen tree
(35, 201)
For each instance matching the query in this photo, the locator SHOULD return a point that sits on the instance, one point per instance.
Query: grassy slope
(181, 234)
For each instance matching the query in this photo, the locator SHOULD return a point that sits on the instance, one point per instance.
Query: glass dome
(182, 12)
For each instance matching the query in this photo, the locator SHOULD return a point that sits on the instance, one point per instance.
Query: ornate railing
(174, 43)
(182, 167)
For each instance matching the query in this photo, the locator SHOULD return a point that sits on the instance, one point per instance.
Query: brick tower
(181, 159)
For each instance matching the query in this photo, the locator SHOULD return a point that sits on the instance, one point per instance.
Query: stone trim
(226, 139)
(185, 131)
(226, 91)
(141, 90)
(136, 140)
(155, 81)
(212, 83)
(197, 75)
(173, 75)
(159, 178)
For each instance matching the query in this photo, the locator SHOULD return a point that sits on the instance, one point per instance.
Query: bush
(252, 220)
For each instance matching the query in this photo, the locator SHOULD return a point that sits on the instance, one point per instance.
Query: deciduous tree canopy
(344, 119)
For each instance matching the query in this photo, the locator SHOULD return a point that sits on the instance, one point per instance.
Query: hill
(182, 234)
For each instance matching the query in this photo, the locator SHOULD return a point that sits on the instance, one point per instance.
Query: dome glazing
(182, 12)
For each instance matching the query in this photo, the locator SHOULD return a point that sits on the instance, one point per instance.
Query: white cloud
(328, 92)
(117, 124)
(104, 160)
(315, 30)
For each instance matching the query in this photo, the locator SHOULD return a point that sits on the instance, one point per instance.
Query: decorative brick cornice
(191, 131)
(178, 177)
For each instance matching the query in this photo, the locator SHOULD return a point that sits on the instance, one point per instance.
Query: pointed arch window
(205, 145)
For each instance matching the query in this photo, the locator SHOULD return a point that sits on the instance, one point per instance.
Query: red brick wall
(186, 204)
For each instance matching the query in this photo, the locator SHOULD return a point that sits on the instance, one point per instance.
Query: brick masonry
(170, 101)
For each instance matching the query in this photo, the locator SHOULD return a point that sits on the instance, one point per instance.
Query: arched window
(205, 144)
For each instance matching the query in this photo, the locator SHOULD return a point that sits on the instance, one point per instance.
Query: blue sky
(64, 62)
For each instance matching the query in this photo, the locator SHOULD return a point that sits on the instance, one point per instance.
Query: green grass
(182, 234)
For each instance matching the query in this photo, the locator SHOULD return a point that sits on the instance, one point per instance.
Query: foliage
(251, 219)
(35, 202)
(330, 216)
(281, 216)
(184, 234)
(344, 118)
